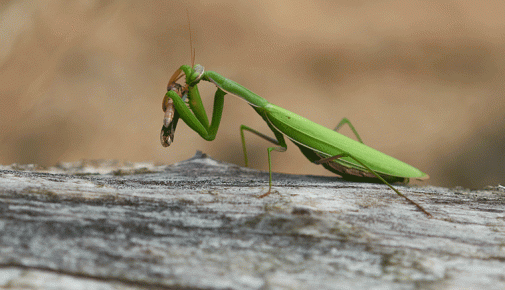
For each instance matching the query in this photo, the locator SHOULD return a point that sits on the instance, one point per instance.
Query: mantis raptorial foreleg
(198, 119)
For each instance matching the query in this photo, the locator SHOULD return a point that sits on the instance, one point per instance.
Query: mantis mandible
(340, 154)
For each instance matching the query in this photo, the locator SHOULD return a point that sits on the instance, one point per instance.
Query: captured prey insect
(340, 154)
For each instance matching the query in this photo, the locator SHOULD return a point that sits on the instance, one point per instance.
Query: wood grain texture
(198, 225)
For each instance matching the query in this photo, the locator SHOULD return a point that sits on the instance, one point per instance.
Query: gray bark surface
(198, 224)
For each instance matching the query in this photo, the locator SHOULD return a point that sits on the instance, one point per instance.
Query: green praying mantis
(340, 154)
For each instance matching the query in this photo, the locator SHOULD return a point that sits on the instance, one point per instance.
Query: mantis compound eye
(196, 74)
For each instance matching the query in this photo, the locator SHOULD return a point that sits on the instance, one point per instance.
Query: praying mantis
(340, 154)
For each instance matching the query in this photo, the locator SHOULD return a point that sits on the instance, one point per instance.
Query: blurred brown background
(422, 81)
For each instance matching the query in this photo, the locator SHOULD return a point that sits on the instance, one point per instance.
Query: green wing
(327, 143)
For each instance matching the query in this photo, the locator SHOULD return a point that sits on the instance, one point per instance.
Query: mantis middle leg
(281, 148)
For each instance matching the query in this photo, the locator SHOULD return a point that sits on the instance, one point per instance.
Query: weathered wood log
(198, 224)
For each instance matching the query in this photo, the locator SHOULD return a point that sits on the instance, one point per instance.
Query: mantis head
(193, 76)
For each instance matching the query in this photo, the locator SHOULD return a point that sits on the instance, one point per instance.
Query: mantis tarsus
(340, 154)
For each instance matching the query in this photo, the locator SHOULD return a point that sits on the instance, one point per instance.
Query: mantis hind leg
(325, 160)
(346, 121)
(281, 148)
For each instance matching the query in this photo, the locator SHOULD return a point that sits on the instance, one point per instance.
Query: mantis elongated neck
(234, 88)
